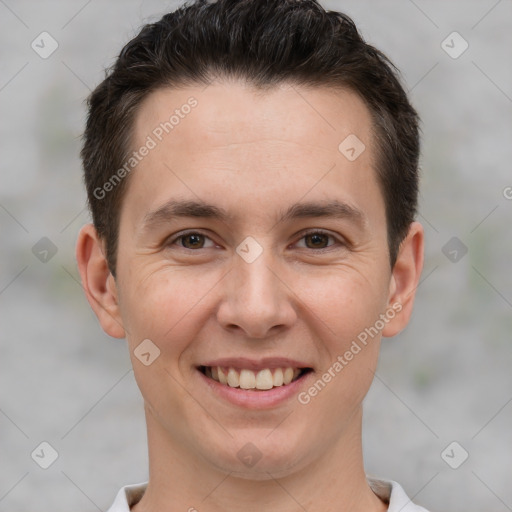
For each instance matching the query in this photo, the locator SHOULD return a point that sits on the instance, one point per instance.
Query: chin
(261, 460)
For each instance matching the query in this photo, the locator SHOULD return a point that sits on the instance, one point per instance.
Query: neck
(180, 480)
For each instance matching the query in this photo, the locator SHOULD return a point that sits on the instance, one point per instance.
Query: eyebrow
(198, 209)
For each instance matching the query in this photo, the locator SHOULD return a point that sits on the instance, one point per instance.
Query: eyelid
(314, 231)
(174, 238)
(181, 234)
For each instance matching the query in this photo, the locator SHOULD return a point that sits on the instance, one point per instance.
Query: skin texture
(253, 154)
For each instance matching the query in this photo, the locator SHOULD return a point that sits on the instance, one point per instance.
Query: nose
(256, 298)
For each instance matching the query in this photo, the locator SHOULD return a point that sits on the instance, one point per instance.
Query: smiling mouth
(262, 380)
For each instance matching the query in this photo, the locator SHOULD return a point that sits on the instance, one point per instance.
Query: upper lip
(256, 364)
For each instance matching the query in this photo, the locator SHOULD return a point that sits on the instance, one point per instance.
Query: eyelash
(182, 235)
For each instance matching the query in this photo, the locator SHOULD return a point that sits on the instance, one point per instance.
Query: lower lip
(256, 399)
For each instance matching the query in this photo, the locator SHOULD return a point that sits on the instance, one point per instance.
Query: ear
(404, 279)
(97, 281)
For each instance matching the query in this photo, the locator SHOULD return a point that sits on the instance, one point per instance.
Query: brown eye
(192, 241)
(318, 240)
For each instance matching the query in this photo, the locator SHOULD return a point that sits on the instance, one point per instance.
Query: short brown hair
(264, 43)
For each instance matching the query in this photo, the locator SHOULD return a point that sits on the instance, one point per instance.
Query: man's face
(254, 291)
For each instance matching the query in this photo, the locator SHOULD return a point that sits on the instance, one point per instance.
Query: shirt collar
(389, 491)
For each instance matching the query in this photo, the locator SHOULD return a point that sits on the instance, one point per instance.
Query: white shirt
(388, 490)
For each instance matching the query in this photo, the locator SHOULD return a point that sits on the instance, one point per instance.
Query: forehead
(234, 112)
(228, 143)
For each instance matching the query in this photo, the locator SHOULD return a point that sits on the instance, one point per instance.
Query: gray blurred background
(444, 379)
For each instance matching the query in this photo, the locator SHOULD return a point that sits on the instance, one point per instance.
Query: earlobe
(404, 279)
(97, 281)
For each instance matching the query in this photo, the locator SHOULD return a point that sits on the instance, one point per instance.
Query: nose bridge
(255, 281)
(255, 299)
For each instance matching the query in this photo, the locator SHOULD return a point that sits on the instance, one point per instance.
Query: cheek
(348, 305)
(348, 309)
(345, 303)
(163, 305)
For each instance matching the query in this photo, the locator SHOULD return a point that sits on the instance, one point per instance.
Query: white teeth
(247, 379)
(222, 376)
(278, 377)
(233, 378)
(288, 375)
(264, 379)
